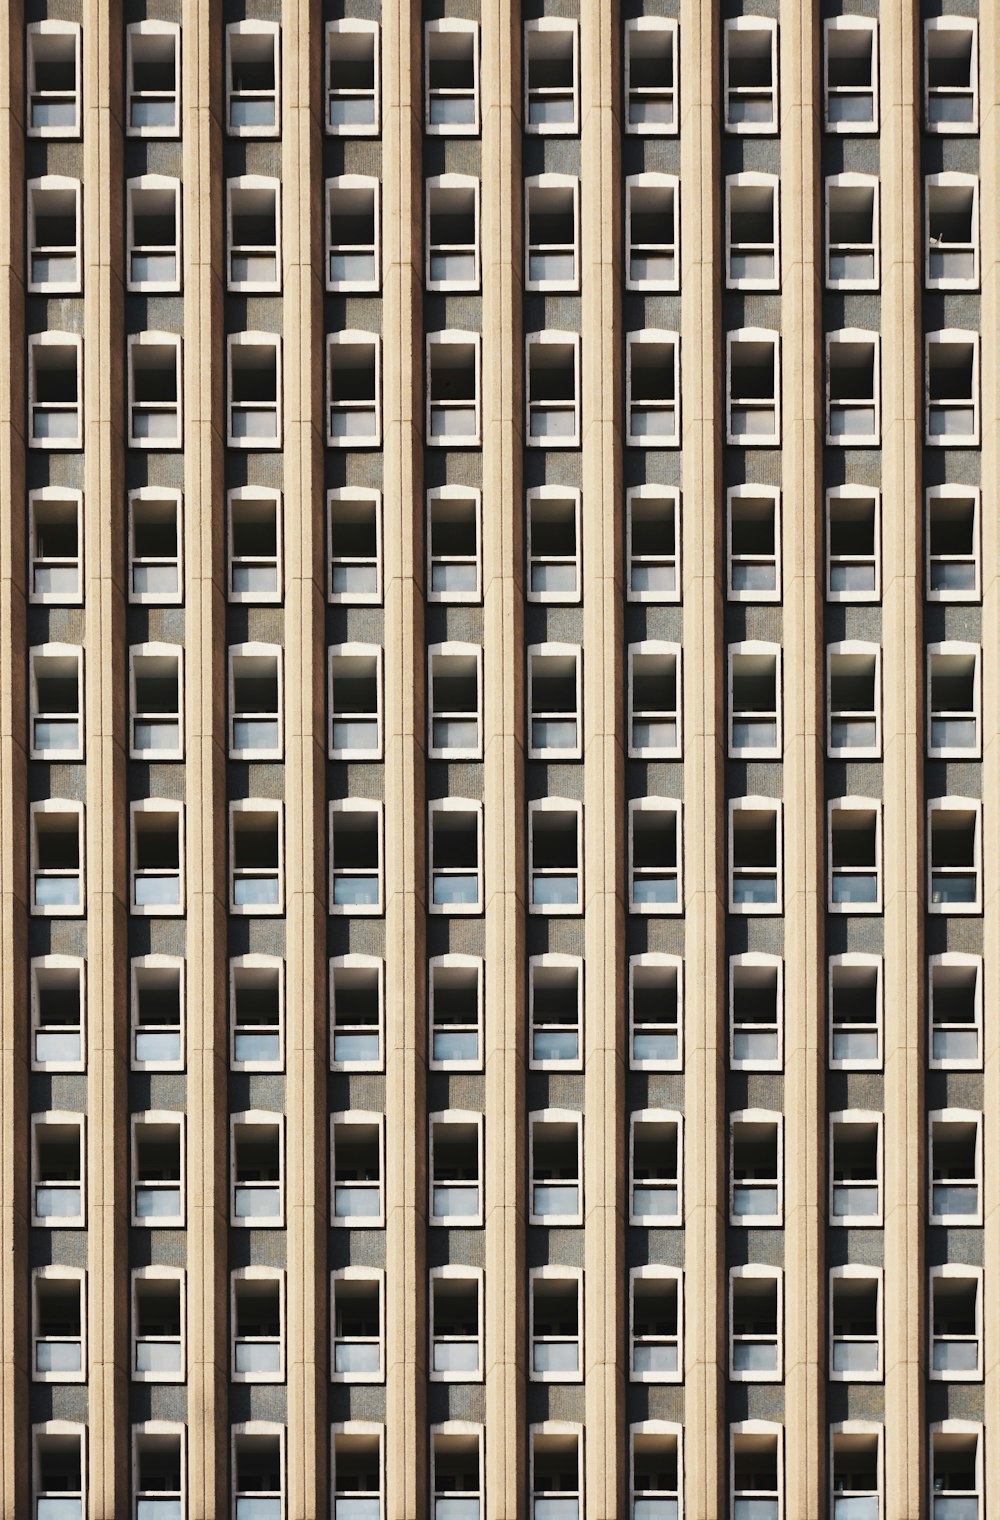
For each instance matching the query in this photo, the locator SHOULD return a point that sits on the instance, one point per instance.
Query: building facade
(499, 759)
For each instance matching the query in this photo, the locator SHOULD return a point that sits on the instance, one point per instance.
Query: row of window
(555, 1169)
(552, 233)
(555, 1012)
(553, 545)
(552, 389)
(352, 71)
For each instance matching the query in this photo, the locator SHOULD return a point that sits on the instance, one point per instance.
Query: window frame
(366, 1429)
(457, 1274)
(553, 650)
(751, 23)
(757, 1271)
(956, 1271)
(75, 1430)
(775, 806)
(56, 651)
(665, 1116)
(469, 494)
(571, 1429)
(453, 960)
(847, 961)
(476, 1433)
(755, 649)
(955, 959)
(954, 337)
(157, 962)
(658, 804)
(857, 648)
(454, 649)
(853, 181)
(667, 650)
(555, 961)
(652, 180)
(456, 804)
(633, 28)
(873, 1429)
(958, 1427)
(758, 1428)
(376, 808)
(52, 28)
(667, 1429)
(555, 1273)
(657, 959)
(349, 25)
(257, 1118)
(154, 338)
(155, 650)
(649, 336)
(349, 182)
(469, 183)
(253, 28)
(753, 180)
(866, 1273)
(850, 440)
(59, 1118)
(261, 341)
(552, 337)
(355, 651)
(164, 1274)
(552, 129)
(443, 1119)
(43, 184)
(157, 805)
(248, 1429)
(776, 1120)
(672, 496)
(438, 341)
(52, 1272)
(851, 23)
(656, 1272)
(543, 182)
(364, 1274)
(368, 1119)
(64, 963)
(762, 336)
(571, 494)
(151, 28)
(352, 337)
(256, 805)
(760, 961)
(752, 492)
(848, 493)
(357, 962)
(255, 962)
(574, 1119)
(853, 804)
(856, 1118)
(956, 649)
(954, 1115)
(354, 598)
(261, 495)
(956, 804)
(453, 25)
(175, 1119)
(953, 493)
(952, 181)
(952, 24)
(73, 343)
(163, 494)
(169, 184)
(70, 497)
(159, 1428)
(264, 183)
(569, 806)
(64, 807)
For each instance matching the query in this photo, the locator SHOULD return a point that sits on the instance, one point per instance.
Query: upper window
(751, 74)
(357, 1479)
(55, 390)
(354, 390)
(153, 79)
(853, 544)
(952, 389)
(754, 401)
(951, 231)
(455, 1012)
(656, 1324)
(954, 855)
(454, 569)
(59, 1326)
(955, 1011)
(55, 235)
(354, 540)
(57, 858)
(755, 855)
(855, 998)
(555, 1317)
(655, 726)
(556, 1456)
(455, 855)
(157, 857)
(59, 1469)
(855, 1324)
(456, 1332)
(253, 79)
(651, 75)
(355, 701)
(357, 1316)
(58, 1013)
(551, 232)
(652, 232)
(851, 74)
(755, 701)
(254, 233)
(852, 232)
(653, 405)
(853, 389)
(254, 412)
(158, 1325)
(58, 1170)
(555, 1175)
(157, 1007)
(54, 79)
(951, 74)
(158, 1452)
(956, 1324)
(258, 1448)
(754, 522)
(953, 701)
(555, 697)
(156, 705)
(155, 547)
(154, 233)
(552, 76)
(353, 250)
(656, 1012)
(953, 547)
(356, 831)
(154, 390)
(455, 1165)
(257, 1170)
(158, 1170)
(451, 78)
(56, 696)
(555, 1012)
(656, 1168)
(256, 857)
(755, 1324)
(555, 856)
(756, 1012)
(653, 543)
(655, 859)
(454, 685)
(657, 1469)
(756, 1168)
(353, 78)
(553, 544)
(55, 546)
(855, 1150)
(956, 1470)
(552, 390)
(452, 232)
(257, 1325)
(254, 546)
(752, 232)
(255, 702)
(854, 700)
(854, 855)
(955, 1167)
(357, 1012)
(454, 407)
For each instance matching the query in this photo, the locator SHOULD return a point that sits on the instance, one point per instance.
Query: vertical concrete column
(503, 662)
(305, 789)
(702, 549)
(903, 823)
(802, 489)
(14, 1035)
(605, 1306)
(405, 802)
(205, 803)
(107, 811)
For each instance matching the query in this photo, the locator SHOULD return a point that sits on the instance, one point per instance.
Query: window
(457, 1478)
(851, 74)
(752, 233)
(556, 1167)
(853, 544)
(456, 1012)
(654, 700)
(956, 1475)
(353, 384)
(755, 1468)
(755, 855)
(56, 691)
(555, 701)
(454, 566)
(155, 547)
(452, 232)
(257, 1013)
(553, 389)
(454, 678)
(256, 857)
(59, 1470)
(55, 390)
(655, 856)
(456, 1325)
(855, 855)
(454, 414)
(258, 1470)
(253, 222)
(656, 1152)
(751, 79)
(651, 76)
(755, 701)
(852, 231)
(156, 701)
(551, 232)
(754, 544)
(54, 76)
(158, 1325)
(555, 1012)
(952, 418)
(153, 77)
(956, 1324)
(754, 401)
(553, 544)
(353, 78)
(158, 1468)
(455, 854)
(158, 1170)
(653, 542)
(951, 213)
(57, 871)
(258, 1325)
(253, 79)
(55, 546)
(856, 1324)
(955, 1012)
(157, 853)
(355, 546)
(855, 998)
(157, 1004)
(355, 856)
(555, 1303)
(451, 78)
(358, 1164)
(756, 1012)
(652, 230)
(756, 1168)
(254, 521)
(953, 544)
(555, 856)
(352, 233)
(656, 1012)
(255, 701)
(456, 1169)
(357, 1012)
(656, 1324)
(854, 700)
(657, 1475)
(551, 77)
(951, 84)
(154, 390)
(956, 1167)
(755, 1324)
(58, 1013)
(853, 388)
(954, 855)
(357, 1316)
(856, 1169)
(556, 1455)
(358, 1470)
(59, 1325)
(355, 674)
(254, 415)
(55, 236)
(652, 366)
(154, 233)
(257, 1198)
(953, 701)
(856, 1474)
